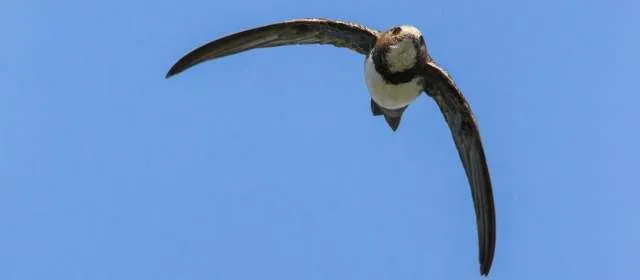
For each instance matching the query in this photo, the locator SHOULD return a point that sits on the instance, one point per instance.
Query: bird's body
(387, 95)
(397, 68)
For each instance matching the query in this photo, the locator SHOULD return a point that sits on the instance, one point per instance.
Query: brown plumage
(293, 32)
(375, 45)
(464, 129)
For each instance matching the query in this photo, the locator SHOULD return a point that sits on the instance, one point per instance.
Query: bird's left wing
(294, 32)
(457, 113)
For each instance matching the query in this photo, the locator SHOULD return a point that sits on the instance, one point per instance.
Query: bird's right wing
(466, 136)
(293, 32)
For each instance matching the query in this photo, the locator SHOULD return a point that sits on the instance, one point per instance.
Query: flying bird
(397, 68)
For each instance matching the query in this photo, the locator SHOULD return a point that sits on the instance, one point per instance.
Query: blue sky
(268, 164)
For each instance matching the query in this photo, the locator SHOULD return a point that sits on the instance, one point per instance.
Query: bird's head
(400, 48)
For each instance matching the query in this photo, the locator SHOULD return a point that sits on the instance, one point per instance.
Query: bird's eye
(421, 40)
(396, 30)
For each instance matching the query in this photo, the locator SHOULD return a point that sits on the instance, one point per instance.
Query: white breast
(389, 96)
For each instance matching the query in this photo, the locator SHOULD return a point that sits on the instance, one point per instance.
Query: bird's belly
(390, 96)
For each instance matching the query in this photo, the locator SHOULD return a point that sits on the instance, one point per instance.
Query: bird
(397, 69)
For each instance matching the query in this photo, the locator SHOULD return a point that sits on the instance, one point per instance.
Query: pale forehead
(411, 30)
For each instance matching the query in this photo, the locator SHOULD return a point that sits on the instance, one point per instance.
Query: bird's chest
(389, 96)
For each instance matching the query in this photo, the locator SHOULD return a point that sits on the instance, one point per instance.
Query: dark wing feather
(293, 32)
(466, 136)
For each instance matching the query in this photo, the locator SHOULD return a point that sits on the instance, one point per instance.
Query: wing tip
(173, 71)
(177, 68)
(486, 259)
(484, 269)
(185, 62)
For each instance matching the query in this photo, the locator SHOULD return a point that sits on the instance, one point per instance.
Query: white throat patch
(401, 56)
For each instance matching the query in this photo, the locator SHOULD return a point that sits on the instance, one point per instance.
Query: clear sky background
(269, 165)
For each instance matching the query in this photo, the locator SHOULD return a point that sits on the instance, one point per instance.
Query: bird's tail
(392, 117)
